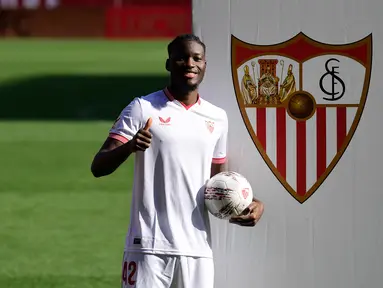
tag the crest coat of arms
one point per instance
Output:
(301, 101)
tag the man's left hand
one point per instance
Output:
(250, 216)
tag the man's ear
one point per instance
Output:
(167, 65)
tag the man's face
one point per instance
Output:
(187, 64)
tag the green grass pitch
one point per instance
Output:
(59, 226)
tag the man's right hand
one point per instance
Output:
(141, 141)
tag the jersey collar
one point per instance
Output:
(171, 98)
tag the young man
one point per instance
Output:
(179, 141)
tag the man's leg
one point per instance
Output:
(192, 272)
(141, 270)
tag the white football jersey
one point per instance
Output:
(168, 215)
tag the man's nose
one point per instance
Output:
(189, 62)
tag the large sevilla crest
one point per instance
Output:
(301, 101)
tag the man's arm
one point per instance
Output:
(114, 152)
(219, 161)
(111, 155)
(217, 168)
(254, 211)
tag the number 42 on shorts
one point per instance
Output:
(128, 272)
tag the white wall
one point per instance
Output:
(335, 238)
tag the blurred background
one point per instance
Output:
(67, 69)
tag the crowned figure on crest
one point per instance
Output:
(265, 89)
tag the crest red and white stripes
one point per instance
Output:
(301, 151)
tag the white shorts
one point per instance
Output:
(142, 270)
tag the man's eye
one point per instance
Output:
(183, 59)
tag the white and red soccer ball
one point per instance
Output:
(227, 194)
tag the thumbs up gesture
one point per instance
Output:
(141, 141)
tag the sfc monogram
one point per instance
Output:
(301, 101)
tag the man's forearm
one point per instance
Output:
(106, 162)
(218, 168)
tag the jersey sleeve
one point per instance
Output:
(219, 156)
(128, 123)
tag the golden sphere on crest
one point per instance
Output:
(301, 105)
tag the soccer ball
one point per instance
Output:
(227, 194)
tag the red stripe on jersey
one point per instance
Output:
(219, 160)
(171, 98)
(118, 137)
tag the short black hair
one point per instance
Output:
(183, 38)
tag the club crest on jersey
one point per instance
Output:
(301, 101)
(165, 121)
(210, 126)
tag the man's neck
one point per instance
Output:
(187, 97)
